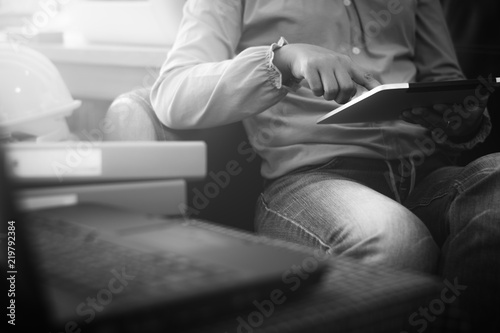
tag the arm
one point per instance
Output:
(203, 83)
(436, 61)
(435, 56)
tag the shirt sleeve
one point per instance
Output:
(436, 59)
(435, 56)
(204, 83)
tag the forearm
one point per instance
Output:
(200, 94)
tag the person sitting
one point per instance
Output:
(386, 193)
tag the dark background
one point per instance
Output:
(475, 32)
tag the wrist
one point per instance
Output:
(469, 135)
(281, 64)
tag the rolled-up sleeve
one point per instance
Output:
(204, 83)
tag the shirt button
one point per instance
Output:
(347, 2)
(356, 50)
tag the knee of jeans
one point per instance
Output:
(474, 212)
(485, 168)
(489, 161)
(392, 236)
(399, 240)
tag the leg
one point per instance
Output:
(461, 208)
(321, 209)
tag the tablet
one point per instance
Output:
(387, 101)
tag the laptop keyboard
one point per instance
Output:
(74, 257)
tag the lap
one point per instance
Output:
(346, 214)
(324, 209)
(460, 207)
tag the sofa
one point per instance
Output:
(133, 119)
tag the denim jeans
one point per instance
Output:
(436, 218)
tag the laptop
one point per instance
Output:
(92, 268)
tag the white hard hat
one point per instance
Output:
(34, 99)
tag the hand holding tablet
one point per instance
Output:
(387, 102)
(457, 120)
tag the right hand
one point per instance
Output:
(329, 74)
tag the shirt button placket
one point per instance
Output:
(355, 50)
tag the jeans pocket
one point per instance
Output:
(308, 168)
(311, 168)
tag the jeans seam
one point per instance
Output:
(426, 202)
(332, 162)
(296, 224)
(460, 185)
(456, 185)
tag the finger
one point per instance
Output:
(419, 111)
(429, 119)
(360, 90)
(411, 118)
(415, 116)
(441, 108)
(330, 85)
(433, 119)
(347, 87)
(315, 83)
(362, 78)
(408, 116)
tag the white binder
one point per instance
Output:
(91, 162)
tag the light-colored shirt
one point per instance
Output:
(220, 71)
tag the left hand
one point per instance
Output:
(455, 120)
